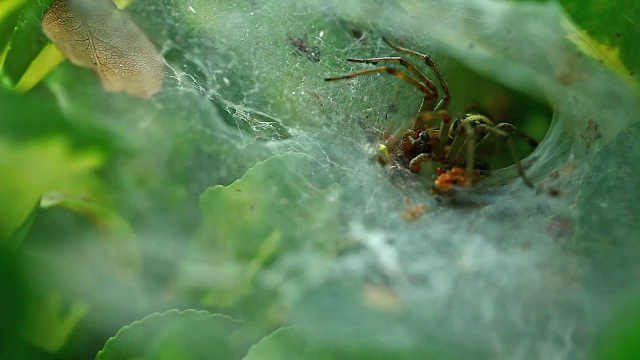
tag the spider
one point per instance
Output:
(464, 143)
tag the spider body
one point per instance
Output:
(424, 145)
(466, 143)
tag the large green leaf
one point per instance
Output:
(187, 335)
(610, 31)
(276, 209)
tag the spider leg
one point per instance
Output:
(425, 86)
(431, 96)
(471, 151)
(446, 98)
(506, 132)
(510, 129)
(462, 147)
(514, 131)
(395, 72)
(416, 162)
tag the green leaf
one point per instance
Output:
(36, 168)
(278, 194)
(605, 220)
(611, 30)
(185, 335)
(12, 309)
(258, 218)
(50, 324)
(363, 327)
(619, 339)
(38, 117)
(9, 12)
(20, 234)
(281, 344)
(26, 42)
(42, 153)
(119, 237)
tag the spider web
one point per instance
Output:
(245, 83)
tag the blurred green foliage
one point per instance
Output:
(234, 190)
(12, 303)
(271, 206)
(43, 153)
(175, 335)
(26, 40)
(620, 341)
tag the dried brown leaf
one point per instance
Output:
(97, 35)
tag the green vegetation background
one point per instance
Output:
(244, 190)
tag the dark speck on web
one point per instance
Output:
(303, 49)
